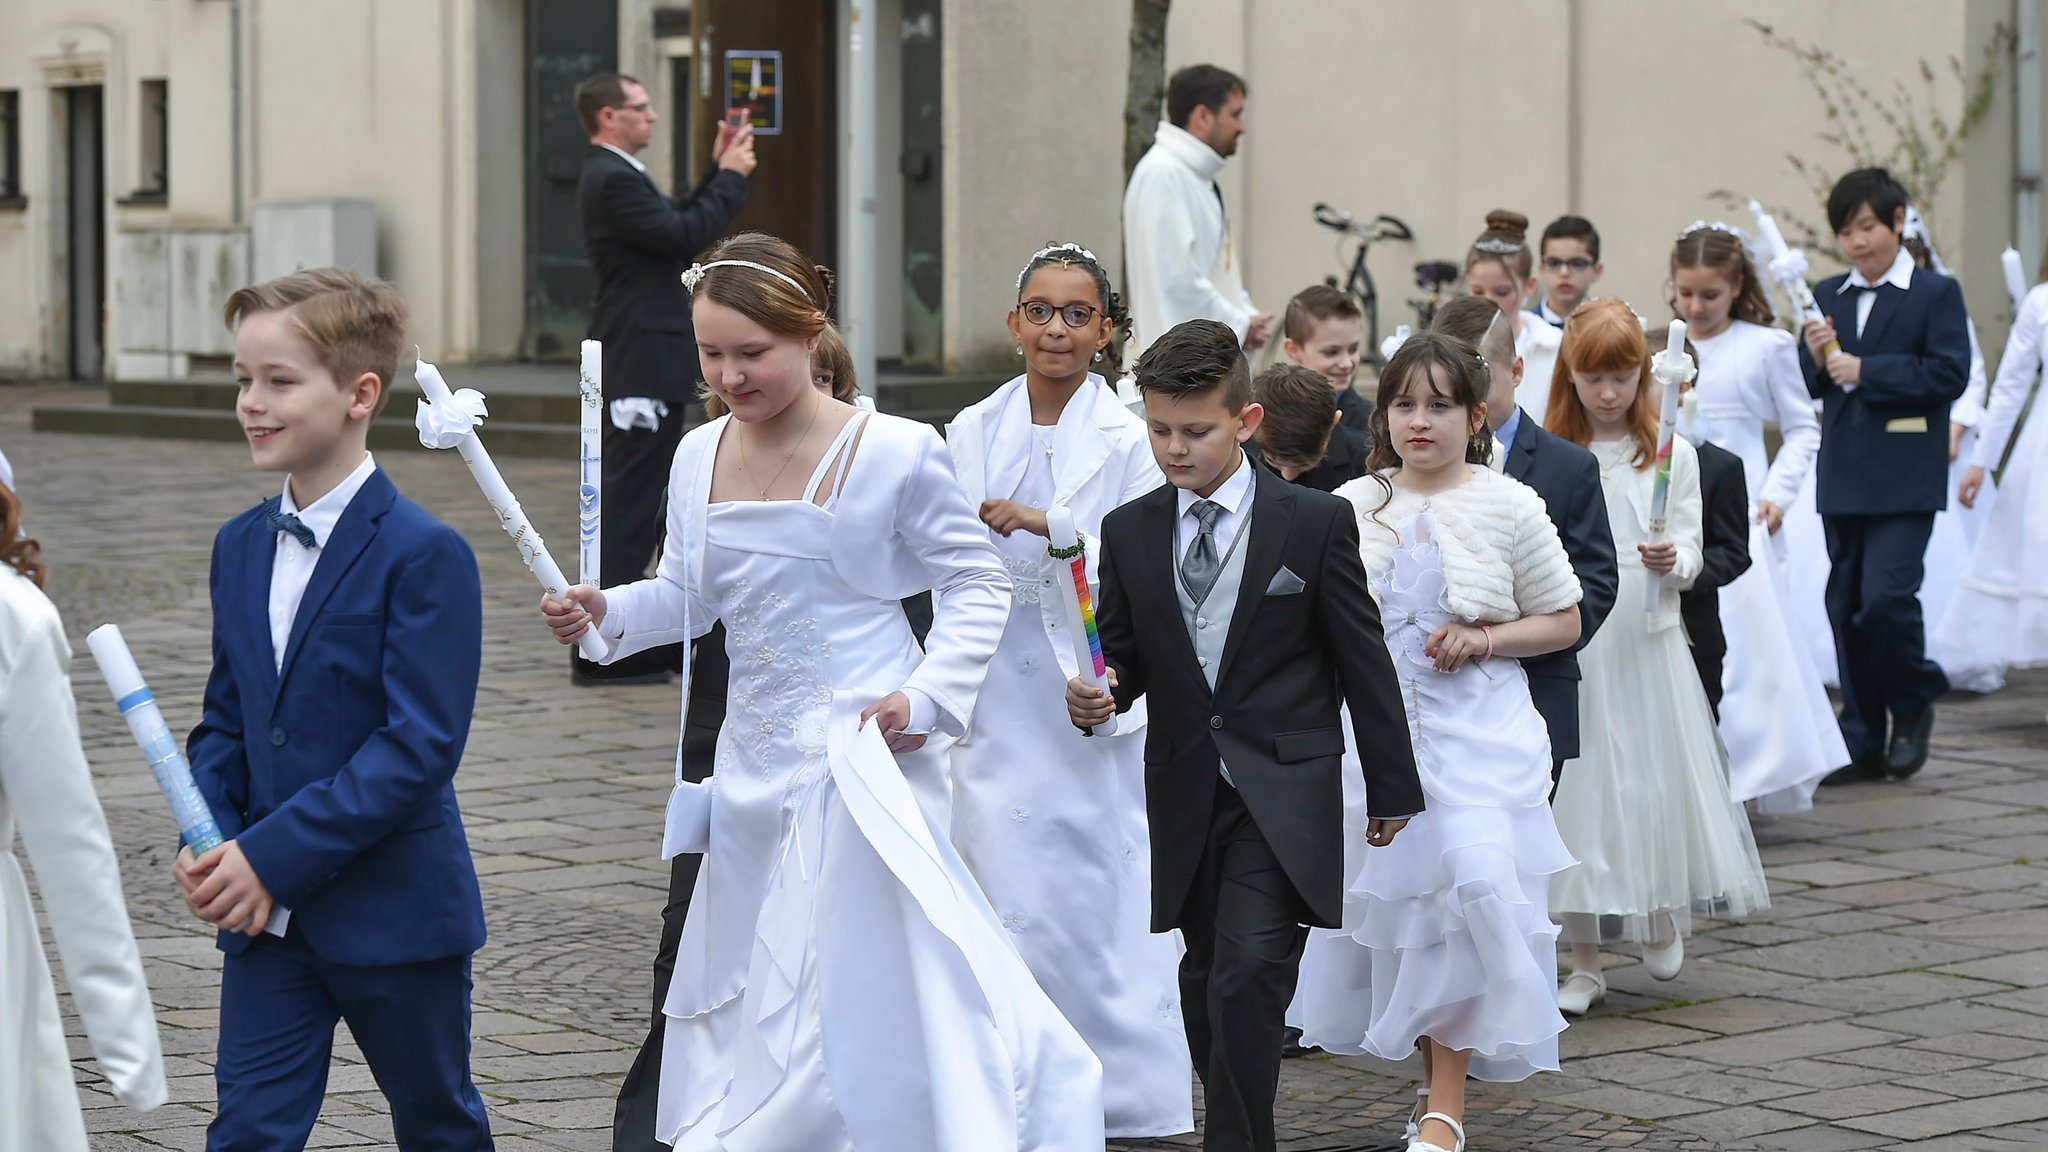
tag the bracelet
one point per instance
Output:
(1488, 629)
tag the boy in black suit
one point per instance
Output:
(1890, 355)
(1236, 603)
(1300, 435)
(1568, 479)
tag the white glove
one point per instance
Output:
(638, 412)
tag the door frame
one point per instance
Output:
(71, 56)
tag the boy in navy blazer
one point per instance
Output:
(347, 641)
(1891, 355)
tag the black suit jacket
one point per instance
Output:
(1289, 661)
(1724, 496)
(1568, 479)
(1357, 412)
(640, 241)
(1884, 446)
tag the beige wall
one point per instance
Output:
(1437, 112)
(416, 106)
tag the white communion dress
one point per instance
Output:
(1776, 720)
(1645, 808)
(842, 983)
(1446, 931)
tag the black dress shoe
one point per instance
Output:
(1908, 749)
(1856, 772)
(1290, 1046)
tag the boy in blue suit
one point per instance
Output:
(1903, 358)
(347, 642)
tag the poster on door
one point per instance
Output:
(753, 90)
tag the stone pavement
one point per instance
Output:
(1895, 995)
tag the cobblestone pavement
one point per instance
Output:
(1895, 995)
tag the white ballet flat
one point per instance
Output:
(1581, 993)
(1418, 1144)
(1414, 1130)
(1664, 963)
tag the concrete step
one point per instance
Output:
(506, 438)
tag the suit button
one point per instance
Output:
(1215, 721)
(277, 737)
(1200, 622)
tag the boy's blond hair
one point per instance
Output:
(355, 324)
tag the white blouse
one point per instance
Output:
(1502, 557)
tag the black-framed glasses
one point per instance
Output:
(641, 107)
(1040, 313)
(1574, 265)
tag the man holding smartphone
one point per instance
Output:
(640, 241)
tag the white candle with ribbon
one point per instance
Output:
(1063, 544)
(1672, 369)
(1788, 267)
(590, 488)
(449, 420)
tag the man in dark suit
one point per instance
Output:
(1237, 605)
(1568, 479)
(640, 241)
(1890, 355)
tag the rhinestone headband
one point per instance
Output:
(1054, 250)
(1499, 245)
(1715, 226)
(694, 275)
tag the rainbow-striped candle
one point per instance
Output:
(1064, 543)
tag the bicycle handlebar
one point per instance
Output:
(1383, 227)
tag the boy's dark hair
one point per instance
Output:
(1872, 186)
(597, 93)
(1301, 411)
(1199, 86)
(1573, 228)
(1313, 305)
(1196, 356)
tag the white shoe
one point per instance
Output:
(1414, 1129)
(1581, 993)
(1418, 1144)
(1664, 963)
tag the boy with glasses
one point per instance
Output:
(1570, 266)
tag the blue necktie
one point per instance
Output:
(281, 521)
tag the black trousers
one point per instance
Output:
(1243, 923)
(636, 467)
(1710, 656)
(633, 1117)
(1873, 598)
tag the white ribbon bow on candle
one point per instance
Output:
(1789, 267)
(444, 425)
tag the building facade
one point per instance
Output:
(154, 154)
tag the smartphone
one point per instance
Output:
(737, 117)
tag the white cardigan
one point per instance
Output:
(1502, 557)
(44, 780)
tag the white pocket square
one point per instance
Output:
(1285, 583)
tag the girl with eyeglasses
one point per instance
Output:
(1052, 823)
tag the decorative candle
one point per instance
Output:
(1788, 267)
(153, 736)
(589, 492)
(1064, 543)
(1672, 368)
(449, 420)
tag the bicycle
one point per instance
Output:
(1359, 283)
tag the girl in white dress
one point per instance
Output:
(1645, 809)
(1776, 720)
(1500, 267)
(1447, 937)
(830, 891)
(1052, 823)
(2000, 609)
(46, 789)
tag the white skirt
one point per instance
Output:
(1645, 808)
(1999, 613)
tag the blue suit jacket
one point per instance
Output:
(1568, 479)
(1884, 446)
(337, 775)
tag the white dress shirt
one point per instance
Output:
(1233, 496)
(628, 157)
(1899, 275)
(291, 569)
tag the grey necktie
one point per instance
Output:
(1200, 566)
